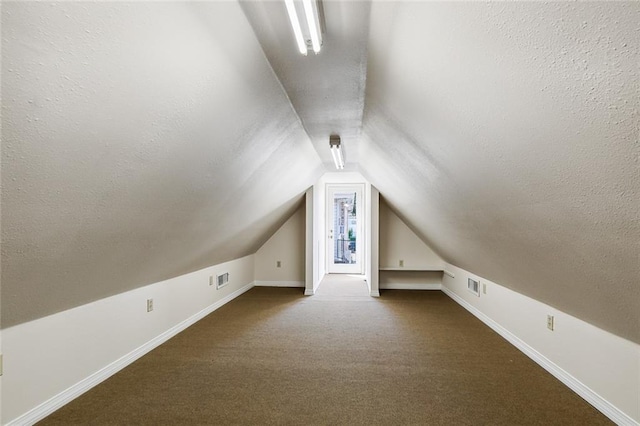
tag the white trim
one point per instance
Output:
(410, 286)
(309, 292)
(392, 268)
(374, 293)
(43, 410)
(361, 216)
(451, 274)
(279, 284)
(604, 406)
(308, 239)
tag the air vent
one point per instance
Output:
(222, 280)
(474, 286)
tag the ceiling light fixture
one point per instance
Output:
(312, 22)
(295, 23)
(336, 151)
(308, 32)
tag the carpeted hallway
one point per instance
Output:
(274, 356)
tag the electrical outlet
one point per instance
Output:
(278, 264)
(484, 288)
(550, 322)
(401, 263)
(149, 305)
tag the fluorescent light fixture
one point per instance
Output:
(295, 23)
(336, 151)
(313, 24)
(308, 32)
(337, 158)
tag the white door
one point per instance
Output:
(345, 236)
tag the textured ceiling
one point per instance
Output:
(507, 135)
(144, 140)
(140, 141)
(327, 90)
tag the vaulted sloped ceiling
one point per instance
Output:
(144, 140)
(507, 134)
(326, 90)
(140, 141)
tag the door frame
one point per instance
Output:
(358, 267)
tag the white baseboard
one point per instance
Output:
(604, 406)
(410, 286)
(279, 284)
(311, 291)
(43, 410)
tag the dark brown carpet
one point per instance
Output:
(274, 356)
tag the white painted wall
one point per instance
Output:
(1, 349)
(308, 244)
(64, 351)
(286, 245)
(1, 378)
(319, 232)
(602, 367)
(372, 226)
(399, 242)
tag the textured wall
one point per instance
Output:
(506, 134)
(141, 141)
